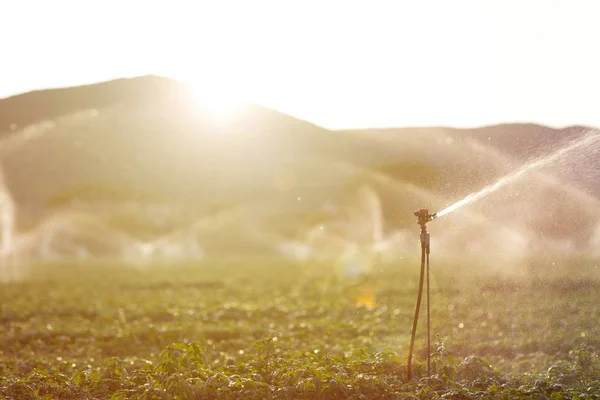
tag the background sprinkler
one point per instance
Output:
(423, 217)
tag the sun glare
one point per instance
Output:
(217, 100)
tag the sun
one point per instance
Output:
(219, 100)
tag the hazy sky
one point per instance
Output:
(338, 63)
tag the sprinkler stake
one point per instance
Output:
(423, 217)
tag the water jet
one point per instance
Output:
(424, 217)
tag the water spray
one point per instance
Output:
(589, 139)
(423, 217)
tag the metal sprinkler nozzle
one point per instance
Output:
(424, 217)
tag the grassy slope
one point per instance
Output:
(108, 330)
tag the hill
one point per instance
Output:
(132, 147)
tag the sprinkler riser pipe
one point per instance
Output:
(425, 240)
(423, 217)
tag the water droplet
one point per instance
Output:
(461, 325)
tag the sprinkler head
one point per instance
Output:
(424, 217)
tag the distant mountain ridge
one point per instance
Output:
(32, 107)
(142, 140)
(165, 99)
(29, 108)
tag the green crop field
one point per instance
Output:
(268, 329)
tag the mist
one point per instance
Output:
(339, 199)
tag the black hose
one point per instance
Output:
(428, 320)
(418, 308)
